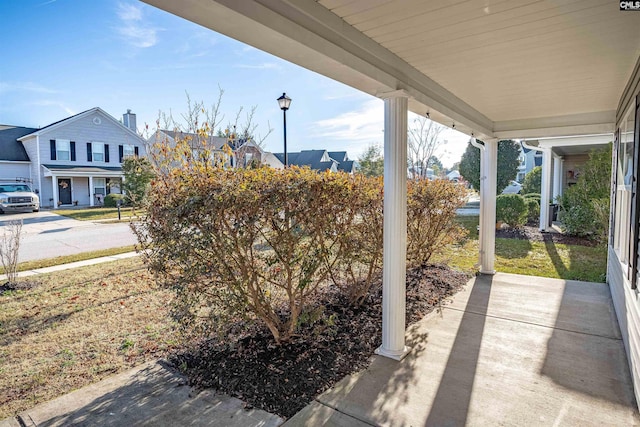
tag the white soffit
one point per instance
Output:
(514, 67)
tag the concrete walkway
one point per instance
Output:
(510, 350)
(149, 395)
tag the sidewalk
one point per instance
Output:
(71, 265)
(149, 395)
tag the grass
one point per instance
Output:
(48, 262)
(546, 259)
(77, 327)
(92, 214)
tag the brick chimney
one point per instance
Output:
(129, 120)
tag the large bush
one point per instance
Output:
(431, 207)
(511, 209)
(259, 243)
(508, 161)
(586, 204)
(533, 181)
(111, 200)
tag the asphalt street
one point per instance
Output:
(48, 235)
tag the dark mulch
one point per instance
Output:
(22, 285)
(533, 234)
(283, 379)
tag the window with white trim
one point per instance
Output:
(97, 151)
(100, 186)
(624, 180)
(63, 149)
(128, 150)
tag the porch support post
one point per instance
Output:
(488, 182)
(54, 185)
(91, 195)
(557, 177)
(545, 193)
(395, 225)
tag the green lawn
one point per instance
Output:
(546, 259)
(92, 214)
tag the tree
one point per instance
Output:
(435, 164)
(371, 162)
(533, 181)
(469, 166)
(508, 154)
(138, 173)
(422, 142)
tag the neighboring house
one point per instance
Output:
(77, 159)
(321, 160)
(529, 159)
(454, 176)
(244, 151)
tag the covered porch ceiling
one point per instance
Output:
(495, 68)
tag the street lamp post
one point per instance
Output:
(284, 101)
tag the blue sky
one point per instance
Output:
(61, 57)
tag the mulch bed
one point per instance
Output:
(283, 379)
(532, 233)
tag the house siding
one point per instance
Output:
(625, 299)
(31, 148)
(82, 131)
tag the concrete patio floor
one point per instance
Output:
(509, 350)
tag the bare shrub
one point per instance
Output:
(431, 210)
(10, 248)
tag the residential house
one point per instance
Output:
(320, 160)
(244, 151)
(76, 160)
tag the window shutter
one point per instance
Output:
(72, 147)
(89, 152)
(52, 143)
(120, 152)
(106, 153)
(135, 151)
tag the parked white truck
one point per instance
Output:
(17, 196)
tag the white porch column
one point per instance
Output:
(54, 185)
(545, 191)
(395, 225)
(91, 190)
(557, 177)
(488, 182)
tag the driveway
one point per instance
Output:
(48, 235)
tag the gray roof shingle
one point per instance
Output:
(10, 148)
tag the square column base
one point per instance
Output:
(489, 272)
(395, 355)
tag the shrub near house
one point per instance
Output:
(259, 244)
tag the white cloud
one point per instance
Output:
(133, 27)
(364, 124)
(48, 103)
(24, 87)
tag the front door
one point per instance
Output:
(64, 191)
